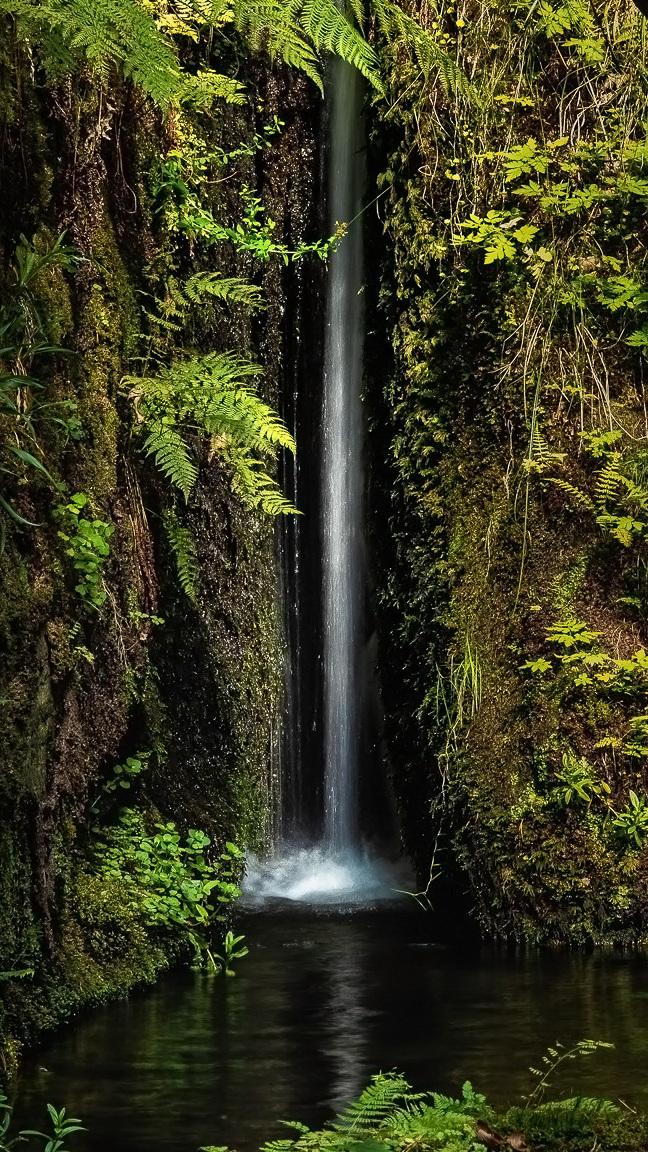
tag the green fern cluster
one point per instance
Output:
(139, 40)
(388, 1114)
(207, 395)
(104, 34)
(297, 30)
(613, 486)
(200, 289)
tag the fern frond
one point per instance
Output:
(171, 456)
(230, 288)
(577, 493)
(183, 546)
(325, 24)
(401, 29)
(257, 489)
(270, 25)
(609, 479)
(374, 1105)
(208, 394)
(201, 90)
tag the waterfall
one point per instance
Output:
(342, 511)
(336, 869)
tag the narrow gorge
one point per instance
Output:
(323, 523)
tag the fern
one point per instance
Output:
(374, 1105)
(612, 486)
(328, 28)
(175, 309)
(230, 288)
(183, 546)
(402, 30)
(102, 33)
(171, 456)
(540, 454)
(609, 479)
(208, 395)
(577, 493)
(125, 34)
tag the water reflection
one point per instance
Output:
(319, 1005)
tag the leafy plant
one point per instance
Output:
(122, 34)
(631, 824)
(62, 1126)
(233, 949)
(613, 486)
(169, 879)
(88, 547)
(579, 781)
(124, 774)
(178, 188)
(553, 1061)
(16, 974)
(208, 395)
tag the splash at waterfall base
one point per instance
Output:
(351, 879)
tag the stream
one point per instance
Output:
(320, 1003)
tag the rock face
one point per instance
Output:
(193, 681)
(509, 460)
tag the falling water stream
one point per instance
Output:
(336, 866)
(342, 504)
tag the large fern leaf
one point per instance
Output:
(609, 479)
(230, 288)
(327, 27)
(577, 493)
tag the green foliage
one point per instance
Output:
(62, 1126)
(628, 522)
(553, 1061)
(126, 35)
(405, 34)
(631, 824)
(16, 974)
(88, 547)
(579, 781)
(179, 191)
(497, 234)
(123, 775)
(388, 1114)
(233, 950)
(25, 354)
(170, 880)
(207, 394)
(505, 376)
(183, 546)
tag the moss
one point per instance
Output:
(83, 689)
(472, 419)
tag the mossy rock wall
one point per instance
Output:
(196, 684)
(509, 457)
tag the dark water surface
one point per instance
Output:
(318, 1005)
